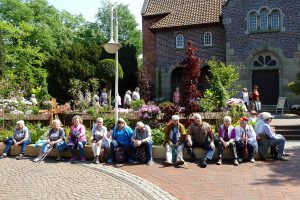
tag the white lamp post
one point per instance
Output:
(112, 47)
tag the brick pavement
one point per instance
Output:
(51, 180)
(261, 180)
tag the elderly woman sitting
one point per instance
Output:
(77, 138)
(56, 139)
(21, 137)
(99, 139)
(121, 137)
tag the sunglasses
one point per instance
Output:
(120, 122)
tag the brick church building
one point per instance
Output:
(261, 35)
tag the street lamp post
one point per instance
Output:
(113, 47)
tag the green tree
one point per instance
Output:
(128, 31)
(294, 86)
(106, 70)
(228, 75)
(222, 80)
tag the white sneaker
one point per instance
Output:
(252, 160)
(240, 160)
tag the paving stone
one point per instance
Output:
(51, 180)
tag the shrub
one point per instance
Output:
(5, 134)
(165, 104)
(137, 104)
(36, 131)
(92, 111)
(158, 136)
(35, 110)
(82, 106)
(148, 112)
(169, 111)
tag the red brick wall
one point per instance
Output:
(149, 45)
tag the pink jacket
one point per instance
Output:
(81, 130)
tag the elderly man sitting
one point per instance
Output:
(200, 135)
(175, 136)
(274, 139)
(245, 139)
(141, 137)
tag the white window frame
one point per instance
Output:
(275, 19)
(252, 22)
(264, 20)
(179, 41)
(207, 39)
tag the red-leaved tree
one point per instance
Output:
(144, 83)
(189, 93)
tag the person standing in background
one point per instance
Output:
(176, 96)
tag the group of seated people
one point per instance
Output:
(127, 144)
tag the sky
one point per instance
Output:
(89, 8)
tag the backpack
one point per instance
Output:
(120, 155)
(141, 154)
(75, 135)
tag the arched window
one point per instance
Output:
(207, 39)
(253, 22)
(265, 61)
(264, 19)
(179, 41)
(275, 20)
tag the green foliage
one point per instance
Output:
(158, 136)
(208, 102)
(108, 121)
(94, 84)
(93, 111)
(294, 86)
(82, 106)
(5, 134)
(165, 104)
(137, 104)
(40, 93)
(106, 69)
(75, 87)
(222, 81)
(220, 95)
(228, 75)
(35, 110)
(36, 131)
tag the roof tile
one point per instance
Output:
(184, 12)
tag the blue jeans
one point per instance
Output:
(279, 141)
(59, 147)
(10, 142)
(79, 145)
(148, 147)
(206, 146)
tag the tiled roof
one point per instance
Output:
(184, 12)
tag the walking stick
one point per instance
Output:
(245, 150)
